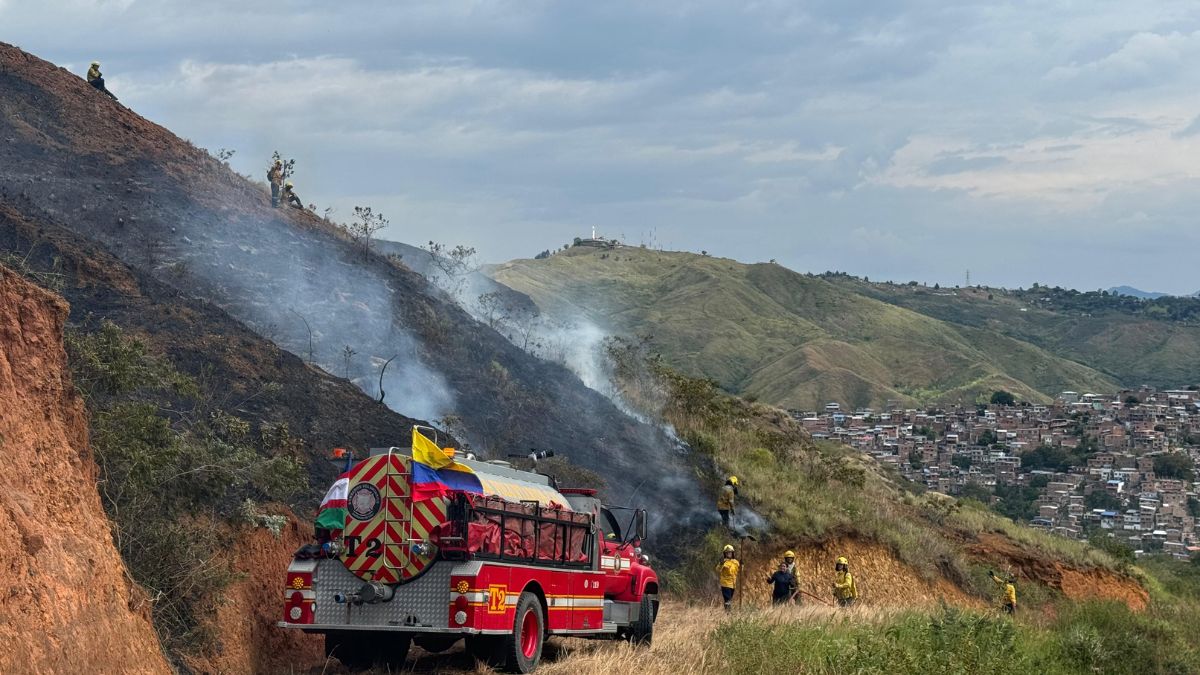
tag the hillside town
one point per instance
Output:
(1087, 465)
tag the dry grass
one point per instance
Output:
(682, 644)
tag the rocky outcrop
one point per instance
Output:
(66, 602)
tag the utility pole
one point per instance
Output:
(968, 278)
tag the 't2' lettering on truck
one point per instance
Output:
(502, 570)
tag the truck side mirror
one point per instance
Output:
(641, 524)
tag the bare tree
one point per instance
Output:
(453, 266)
(366, 223)
(382, 393)
(289, 165)
(309, 329)
(347, 354)
(494, 308)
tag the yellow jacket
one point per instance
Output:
(1010, 590)
(728, 571)
(843, 586)
(93, 73)
(725, 498)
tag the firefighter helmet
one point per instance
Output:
(842, 560)
(789, 554)
(733, 480)
(728, 548)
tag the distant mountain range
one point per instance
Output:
(1145, 295)
(799, 340)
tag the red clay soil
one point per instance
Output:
(1075, 583)
(882, 580)
(244, 625)
(66, 604)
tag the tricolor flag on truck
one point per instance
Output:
(332, 514)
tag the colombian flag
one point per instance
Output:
(434, 473)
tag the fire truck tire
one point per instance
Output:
(522, 649)
(641, 632)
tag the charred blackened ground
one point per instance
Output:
(207, 237)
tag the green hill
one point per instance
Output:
(791, 339)
(1134, 342)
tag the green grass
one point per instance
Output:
(1084, 638)
(790, 339)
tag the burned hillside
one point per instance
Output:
(204, 257)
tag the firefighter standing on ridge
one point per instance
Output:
(290, 197)
(275, 178)
(95, 79)
(844, 588)
(785, 585)
(1010, 591)
(789, 562)
(727, 572)
(726, 499)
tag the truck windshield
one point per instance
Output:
(609, 525)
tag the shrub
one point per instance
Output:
(171, 475)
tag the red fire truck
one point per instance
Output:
(503, 570)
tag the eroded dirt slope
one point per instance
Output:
(66, 605)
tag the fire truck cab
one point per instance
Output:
(502, 570)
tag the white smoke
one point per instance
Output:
(337, 315)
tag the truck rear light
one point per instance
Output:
(297, 581)
(300, 607)
(298, 596)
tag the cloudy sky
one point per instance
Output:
(1053, 141)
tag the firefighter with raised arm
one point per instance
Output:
(784, 583)
(727, 498)
(1010, 591)
(844, 589)
(727, 575)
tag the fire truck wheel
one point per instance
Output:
(642, 630)
(523, 647)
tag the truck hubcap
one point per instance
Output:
(529, 634)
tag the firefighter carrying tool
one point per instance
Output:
(433, 550)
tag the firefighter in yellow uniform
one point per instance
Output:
(1010, 591)
(844, 588)
(727, 574)
(789, 560)
(726, 499)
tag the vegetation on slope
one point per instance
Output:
(811, 493)
(794, 340)
(173, 468)
(1155, 342)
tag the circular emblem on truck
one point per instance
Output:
(363, 502)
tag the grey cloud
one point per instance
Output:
(1191, 129)
(958, 164)
(513, 125)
